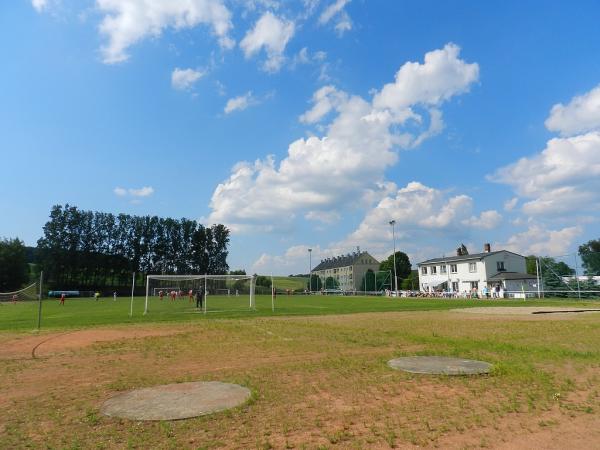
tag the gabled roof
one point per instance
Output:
(511, 276)
(342, 261)
(456, 258)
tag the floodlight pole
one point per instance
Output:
(310, 270)
(577, 278)
(393, 223)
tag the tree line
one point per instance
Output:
(87, 249)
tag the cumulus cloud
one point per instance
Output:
(295, 259)
(240, 103)
(486, 220)
(183, 79)
(344, 169)
(336, 10)
(145, 191)
(127, 22)
(580, 115)
(564, 177)
(509, 205)
(538, 240)
(271, 34)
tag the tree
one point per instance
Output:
(590, 257)
(403, 266)
(237, 272)
(411, 282)
(263, 281)
(368, 281)
(331, 283)
(13, 261)
(314, 284)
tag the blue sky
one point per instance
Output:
(308, 124)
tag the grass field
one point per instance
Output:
(317, 370)
(84, 312)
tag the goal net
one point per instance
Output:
(200, 293)
(28, 293)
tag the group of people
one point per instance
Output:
(174, 295)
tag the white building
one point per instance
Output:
(464, 273)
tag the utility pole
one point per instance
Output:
(310, 270)
(393, 224)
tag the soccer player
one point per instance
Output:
(14, 298)
(161, 294)
(115, 296)
(199, 297)
(97, 296)
(62, 298)
(173, 296)
(191, 295)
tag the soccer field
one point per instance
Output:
(85, 312)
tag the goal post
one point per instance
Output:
(220, 292)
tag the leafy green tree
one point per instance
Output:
(263, 281)
(590, 257)
(368, 281)
(315, 283)
(403, 266)
(237, 272)
(14, 271)
(331, 283)
(411, 282)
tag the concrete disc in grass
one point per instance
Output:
(440, 365)
(176, 401)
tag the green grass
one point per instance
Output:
(77, 313)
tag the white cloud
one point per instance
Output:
(486, 220)
(240, 103)
(581, 115)
(509, 205)
(564, 177)
(39, 5)
(183, 79)
(344, 169)
(145, 191)
(126, 22)
(538, 240)
(295, 259)
(271, 34)
(336, 10)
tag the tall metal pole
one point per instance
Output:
(40, 301)
(537, 273)
(310, 270)
(393, 223)
(577, 278)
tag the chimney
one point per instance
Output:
(487, 248)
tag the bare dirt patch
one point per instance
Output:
(45, 344)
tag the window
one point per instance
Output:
(453, 268)
(433, 270)
(472, 267)
(500, 266)
(474, 284)
(423, 270)
(455, 286)
(443, 269)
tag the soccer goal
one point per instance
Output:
(218, 292)
(28, 293)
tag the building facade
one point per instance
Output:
(464, 273)
(348, 271)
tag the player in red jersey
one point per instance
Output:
(191, 295)
(161, 294)
(62, 298)
(173, 296)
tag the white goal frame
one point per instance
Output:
(206, 277)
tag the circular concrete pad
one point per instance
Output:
(176, 401)
(440, 365)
